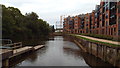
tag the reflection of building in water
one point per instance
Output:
(74, 52)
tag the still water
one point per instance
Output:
(60, 52)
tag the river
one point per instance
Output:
(60, 51)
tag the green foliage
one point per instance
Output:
(15, 24)
(52, 29)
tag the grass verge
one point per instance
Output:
(115, 45)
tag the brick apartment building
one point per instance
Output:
(104, 20)
(68, 24)
(76, 24)
(87, 23)
(97, 13)
(82, 23)
(118, 18)
(93, 22)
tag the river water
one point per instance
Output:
(59, 51)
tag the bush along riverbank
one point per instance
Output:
(103, 51)
(19, 26)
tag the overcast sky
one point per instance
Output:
(51, 10)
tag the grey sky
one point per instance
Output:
(51, 10)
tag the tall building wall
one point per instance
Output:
(104, 20)
(118, 17)
(76, 24)
(93, 22)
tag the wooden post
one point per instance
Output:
(6, 63)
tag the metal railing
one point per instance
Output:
(9, 41)
(8, 44)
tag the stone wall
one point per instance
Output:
(102, 51)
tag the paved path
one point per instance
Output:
(21, 49)
(4, 51)
(102, 40)
(38, 47)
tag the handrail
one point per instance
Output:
(13, 44)
(7, 40)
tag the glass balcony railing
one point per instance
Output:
(113, 16)
(113, 7)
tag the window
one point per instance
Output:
(107, 15)
(76, 22)
(100, 18)
(76, 19)
(102, 31)
(111, 31)
(103, 24)
(119, 9)
(114, 29)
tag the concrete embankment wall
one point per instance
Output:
(10, 57)
(105, 52)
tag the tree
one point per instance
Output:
(15, 24)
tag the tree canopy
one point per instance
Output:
(15, 24)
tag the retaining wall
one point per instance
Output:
(105, 52)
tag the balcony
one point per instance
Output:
(103, 11)
(76, 22)
(106, 4)
(113, 7)
(112, 4)
(119, 9)
(106, 16)
(70, 23)
(119, 27)
(82, 22)
(86, 24)
(113, 16)
(112, 23)
(100, 20)
(76, 19)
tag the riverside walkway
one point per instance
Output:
(8, 53)
(101, 40)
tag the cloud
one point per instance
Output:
(50, 10)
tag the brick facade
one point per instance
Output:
(76, 24)
(104, 20)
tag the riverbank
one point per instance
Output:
(97, 40)
(12, 54)
(108, 52)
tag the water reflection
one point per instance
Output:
(25, 57)
(74, 52)
(31, 42)
(94, 61)
(30, 57)
(60, 51)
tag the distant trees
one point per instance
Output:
(15, 24)
(52, 29)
